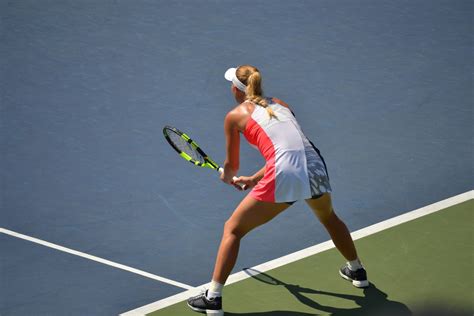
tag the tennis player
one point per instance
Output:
(294, 170)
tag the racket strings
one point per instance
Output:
(184, 146)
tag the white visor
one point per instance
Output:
(231, 76)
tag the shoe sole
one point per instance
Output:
(358, 284)
(211, 312)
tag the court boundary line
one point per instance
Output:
(304, 253)
(96, 259)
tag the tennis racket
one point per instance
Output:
(190, 150)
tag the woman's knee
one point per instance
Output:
(328, 217)
(235, 229)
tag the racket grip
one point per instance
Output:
(221, 170)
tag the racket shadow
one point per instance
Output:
(373, 302)
(270, 313)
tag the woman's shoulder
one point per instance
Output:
(245, 108)
(281, 102)
(240, 114)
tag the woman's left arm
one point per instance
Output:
(232, 136)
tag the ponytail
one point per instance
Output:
(253, 91)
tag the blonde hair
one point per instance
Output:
(251, 78)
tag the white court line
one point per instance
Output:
(406, 217)
(94, 258)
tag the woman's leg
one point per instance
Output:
(250, 214)
(336, 228)
(353, 271)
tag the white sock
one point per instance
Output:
(354, 265)
(215, 290)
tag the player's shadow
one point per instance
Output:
(374, 302)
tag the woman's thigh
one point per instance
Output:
(322, 206)
(251, 213)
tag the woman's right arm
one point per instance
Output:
(250, 182)
(258, 175)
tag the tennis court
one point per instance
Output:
(99, 216)
(416, 268)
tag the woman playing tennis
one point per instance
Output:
(294, 170)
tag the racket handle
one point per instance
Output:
(221, 170)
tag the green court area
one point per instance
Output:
(421, 267)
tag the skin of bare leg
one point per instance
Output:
(322, 208)
(250, 214)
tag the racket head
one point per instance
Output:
(187, 148)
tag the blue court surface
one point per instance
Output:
(111, 219)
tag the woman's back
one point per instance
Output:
(294, 168)
(282, 132)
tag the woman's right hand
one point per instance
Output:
(247, 182)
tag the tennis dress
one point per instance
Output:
(295, 169)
